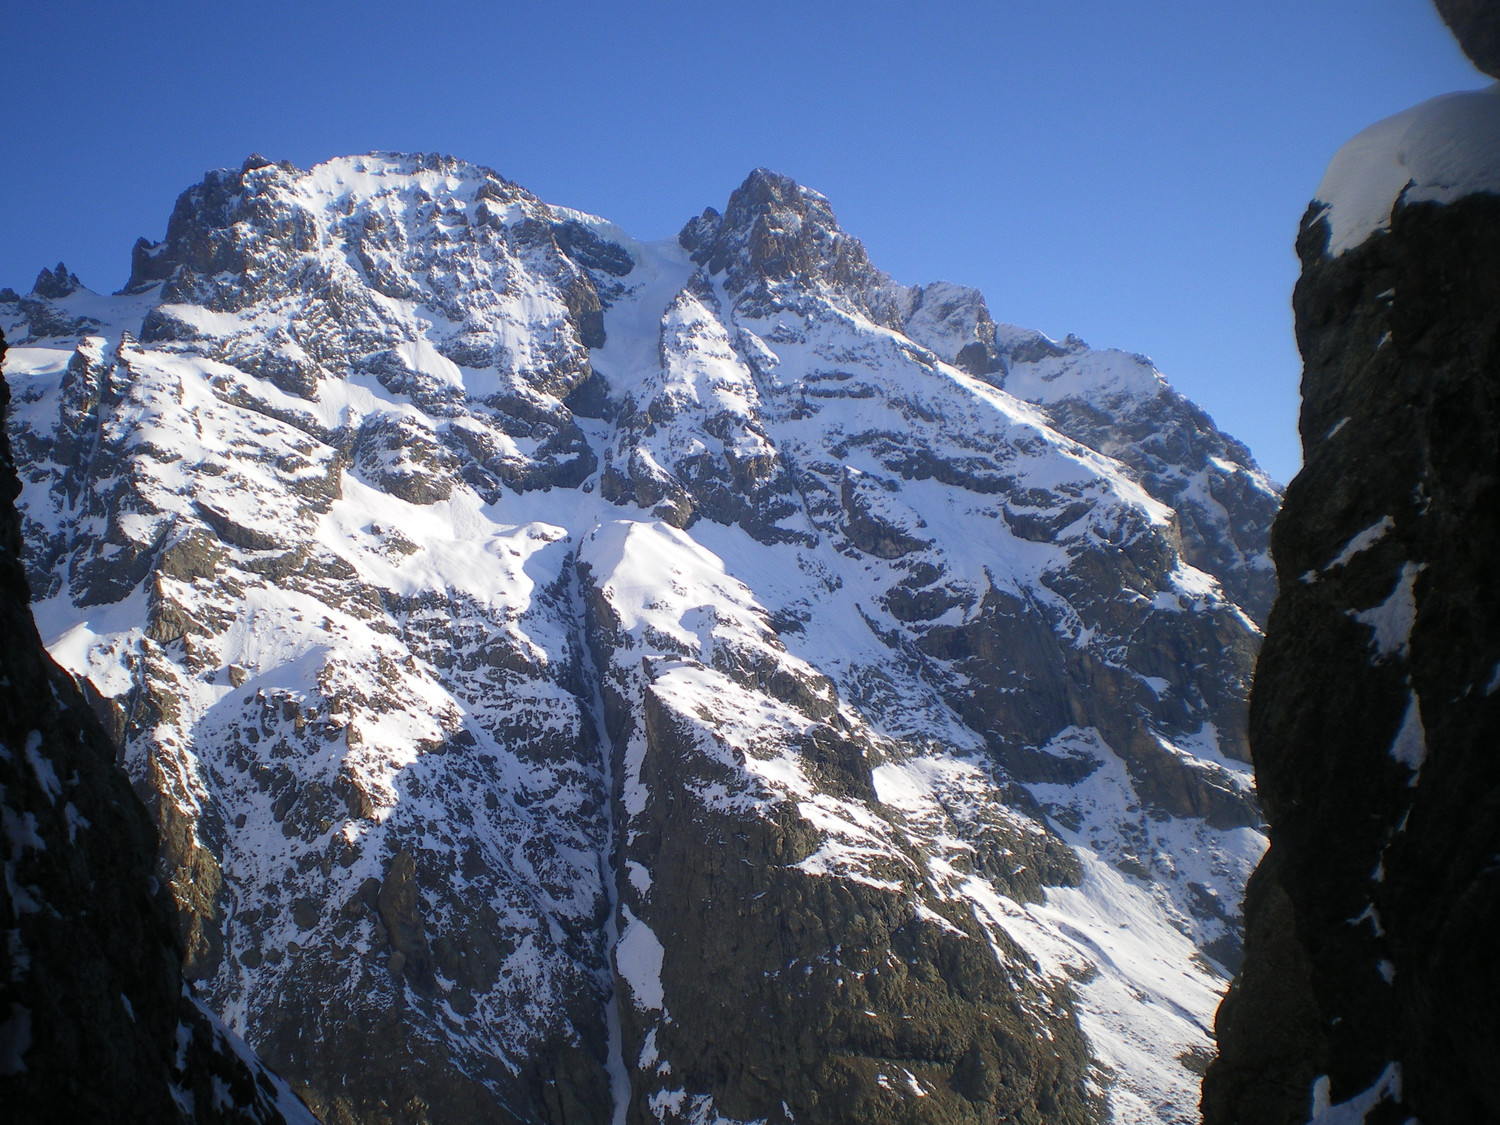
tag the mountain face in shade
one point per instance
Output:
(1370, 985)
(579, 679)
(95, 1023)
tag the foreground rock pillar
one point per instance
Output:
(1371, 983)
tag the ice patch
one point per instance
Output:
(1362, 542)
(1370, 914)
(1391, 621)
(639, 877)
(75, 820)
(42, 767)
(20, 830)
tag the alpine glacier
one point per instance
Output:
(579, 679)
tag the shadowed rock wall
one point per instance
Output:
(1370, 971)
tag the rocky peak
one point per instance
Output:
(55, 283)
(238, 221)
(350, 260)
(203, 209)
(56, 305)
(776, 234)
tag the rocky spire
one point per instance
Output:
(776, 234)
(55, 283)
(1369, 988)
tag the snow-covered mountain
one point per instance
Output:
(579, 679)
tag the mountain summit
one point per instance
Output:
(773, 231)
(583, 679)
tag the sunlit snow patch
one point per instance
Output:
(1440, 151)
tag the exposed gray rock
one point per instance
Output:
(1476, 26)
(55, 283)
(47, 310)
(777, 237)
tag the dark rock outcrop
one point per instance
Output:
(781, 995)
(95, 1021)
(1370, 971)
(1476, 25)
(55, 283)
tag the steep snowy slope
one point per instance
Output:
(581, 679)
(95, 1022)
(1119, 405)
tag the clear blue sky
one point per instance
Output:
(1131, 172)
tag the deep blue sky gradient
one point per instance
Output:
(1130, 172)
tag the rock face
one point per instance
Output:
(1370, 981)
(1476, 26)
(1119, 405)
(579, 679)
(95, 1023)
